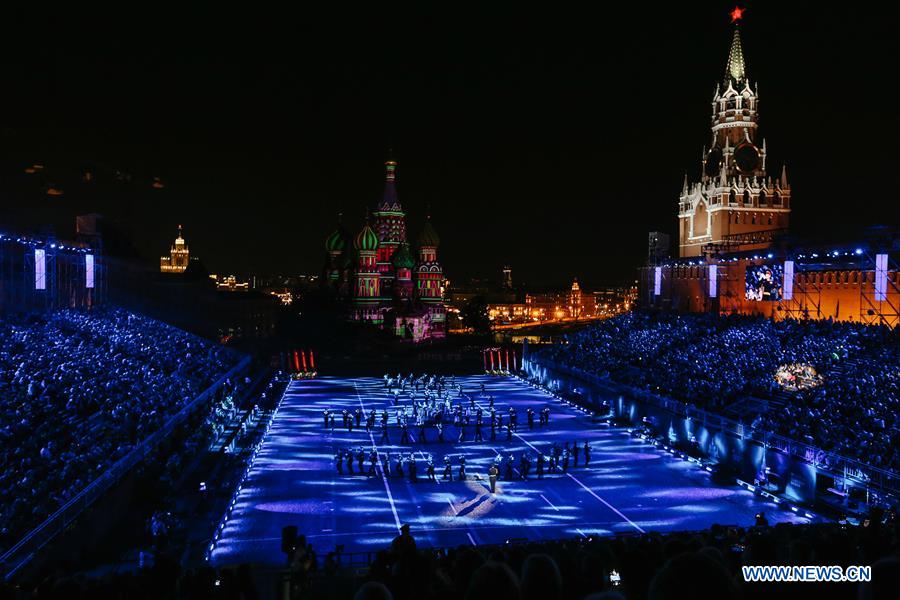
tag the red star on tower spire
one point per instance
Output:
(737, 14)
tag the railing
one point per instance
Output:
(26, 548)
(836, 464)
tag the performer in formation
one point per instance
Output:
(436, 402)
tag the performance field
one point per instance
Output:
(629, 486)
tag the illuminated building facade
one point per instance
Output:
(736, 202)
(507, 278)
(575, 306)
(385, 280)
(229, 283)
(179, 256)
(733, 260)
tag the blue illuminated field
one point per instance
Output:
(630, 486)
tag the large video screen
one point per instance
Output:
(764, 282)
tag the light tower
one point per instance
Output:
(735, 203)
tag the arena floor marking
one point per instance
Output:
(294, 481)
(610, 506)
(578, 481)
(378, 467)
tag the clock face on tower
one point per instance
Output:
(713, 162)
(746, 156)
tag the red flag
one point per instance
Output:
(303, 356)
(492, 360)
(312, 360)
(296, 362)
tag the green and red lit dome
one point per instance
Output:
(366, 239)
(337, 241)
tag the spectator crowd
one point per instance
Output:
(671, 566)
(711, 362)
(78, 391)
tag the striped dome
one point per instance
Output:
(337, 241)
(429, 237)
(366, 239)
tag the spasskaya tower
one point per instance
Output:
(736, 204)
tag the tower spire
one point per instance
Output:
(735, 68)
(390, 166)
(389, 201)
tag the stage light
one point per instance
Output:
(40, 273)
(881, 269)
(858, 251)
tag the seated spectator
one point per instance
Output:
(78, 391)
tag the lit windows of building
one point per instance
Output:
(179, 256)
(229, 283)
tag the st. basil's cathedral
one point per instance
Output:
(384, 280)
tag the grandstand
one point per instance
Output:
(86, 396)
(714, 363)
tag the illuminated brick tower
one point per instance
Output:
(736, 204)
(430, 279)
(179, 257)
(367, 289)
(390, 225)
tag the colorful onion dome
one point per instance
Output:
(403, 258)
(366, 239)
(429, 237)
(337, 241)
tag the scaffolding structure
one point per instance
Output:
(879, 308)
(42, 274)
(806, 300)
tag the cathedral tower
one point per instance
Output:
(367, 289)
(736, 204)
(430, 279)
(337, 246)
(390, 225)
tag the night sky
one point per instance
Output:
(552, 139)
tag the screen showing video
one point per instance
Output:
(764, 283)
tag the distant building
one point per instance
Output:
(508, 313)
(547, 306)
(179, 257)
(613, 300)
(575, 305)
(229, 283)
(507, 278)
(387, 282)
